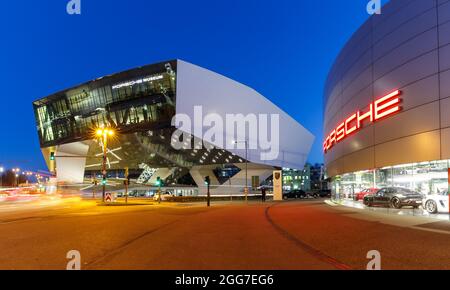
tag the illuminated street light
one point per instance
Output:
(16, 171)
(104, 133)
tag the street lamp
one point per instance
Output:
(246, 167)
(104, 133)
(16, 171)
(1, 175)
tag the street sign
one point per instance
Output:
(109, 198)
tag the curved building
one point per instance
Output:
(174, 120)
(387, 102)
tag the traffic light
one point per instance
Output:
(104, 181)
(158, 181)
(207, 180)
(52, 156)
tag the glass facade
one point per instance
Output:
(426, 178)
(131, 101)
(297, 179)
(139, 105)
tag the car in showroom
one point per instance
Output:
(437, 203)
(395, 197)
(296, 193)
(363, 193)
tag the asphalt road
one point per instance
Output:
(292, 235)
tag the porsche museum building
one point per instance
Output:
(387, 103)
(142, 105)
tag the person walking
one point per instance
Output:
(263, 194)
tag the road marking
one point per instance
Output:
(112, 252)
(330, 203)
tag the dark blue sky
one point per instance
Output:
(281, 48)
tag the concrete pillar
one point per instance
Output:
(70, 162)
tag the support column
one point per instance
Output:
(71, 162)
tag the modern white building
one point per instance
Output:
(174, 120)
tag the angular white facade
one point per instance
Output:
(220, 95)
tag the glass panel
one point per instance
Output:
(403, 176)
(143, 101)
(426, 178)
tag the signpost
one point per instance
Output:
(278, 185)
(109, 198)
(246, 194)
(208, 183)
(95, 182)
(126, 184)
(159, 184)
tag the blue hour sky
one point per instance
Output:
(282, 48)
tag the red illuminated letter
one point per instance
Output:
(332, 139)
(368, 115)
(325, 145)
(379, 109)
(387, 105)
(348, 130)
(340, 132)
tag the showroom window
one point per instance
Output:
(425, 178)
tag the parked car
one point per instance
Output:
(395, 197)
(437, 203)
(164, 196)
(296, 193)
(324, 193)
(133, 193)
(312, 194)
(360, 195)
